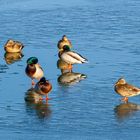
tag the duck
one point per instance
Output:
(71, 57)
(125, 89)
(33, 69)
(64, 41)
(13, 46)
(43, 87)
(70, 78)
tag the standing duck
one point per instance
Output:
(71, 57)
(43, 87)
(64, 41)
(13, 46)
(126, 90)
(33, 69)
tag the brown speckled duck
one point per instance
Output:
(126, 90)
(33, 69)
(43, 87)
(64, 41)
(13, 46)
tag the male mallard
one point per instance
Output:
(33, 69)
(71, 57)
(43, 87)
(13, 46)
(64, 41)
(126, 90)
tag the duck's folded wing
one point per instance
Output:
(77, 56)
(69, 58)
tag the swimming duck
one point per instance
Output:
(13, 46)
(71, 57)
(70, 78)
(64, 41)
(33, 69)
(126, 90)
(43, 87)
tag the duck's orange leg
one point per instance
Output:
(33, 83)
(125, 99)
(47, 98)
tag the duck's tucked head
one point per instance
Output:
(32, 60)
(121, 81)
(64, 38)
(42, 80)
(66, 48)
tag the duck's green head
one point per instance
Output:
(66, 48)
(32, 60)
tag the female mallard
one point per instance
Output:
(13, 46)
(33, 69)
(64, 41)
(126, 90)
(43, 87)
(71, 57)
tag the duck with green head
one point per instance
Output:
(43, 87)
(71, 57)
(33, 69)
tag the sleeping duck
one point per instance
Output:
(43, 87)
(71, 57)
(13, 46)
(64, 41)
(126, 90)
(33, 69)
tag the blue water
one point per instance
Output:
(107, 34)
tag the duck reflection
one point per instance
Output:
(68, 77)
(35, 102)
(12, 57)
(125, 110)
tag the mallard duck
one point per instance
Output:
(126, 90)
(43, 87)
(64, 41)
(33, 69)
(70, 78)
(71, 57)
(13, 46)
(12, 57)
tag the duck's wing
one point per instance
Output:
(77, 56)
(69, 58)
(129, 90)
